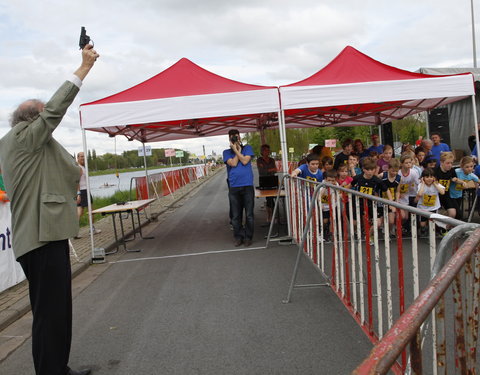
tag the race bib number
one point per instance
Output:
(445, 183)
(366, 190)
(459, 185)
(310, 178)
(429, 200)
(392, 193)
(404, 188)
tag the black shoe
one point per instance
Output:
(238, 242)
(79, 372)
(248, 243)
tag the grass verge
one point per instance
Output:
(98, 202)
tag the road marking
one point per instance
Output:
(189, 254)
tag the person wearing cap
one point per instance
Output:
(241, 193)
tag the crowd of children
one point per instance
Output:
(415, 178)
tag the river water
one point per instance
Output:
(106, 185)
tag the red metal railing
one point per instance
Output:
(459, 272)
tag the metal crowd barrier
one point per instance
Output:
(460, 276)
(375, 276)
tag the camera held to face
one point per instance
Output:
(234, 138)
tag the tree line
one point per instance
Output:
(130, 159)
(406, 130)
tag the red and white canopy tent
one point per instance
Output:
(354, 89)
(183, 101)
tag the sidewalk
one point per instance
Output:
(14, 302)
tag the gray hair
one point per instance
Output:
(27, 111)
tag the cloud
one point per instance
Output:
(268, 42)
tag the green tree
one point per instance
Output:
(408, 129)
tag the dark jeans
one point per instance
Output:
(242, 198)
(50, 285)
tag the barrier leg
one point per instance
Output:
(301, 251)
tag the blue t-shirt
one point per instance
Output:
(378, 149)
(437, 151)
(457, 193)
(474, 153)
(241, 175)
(477, 170)
(305, 173)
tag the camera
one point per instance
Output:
(234, 138)
(84, 38)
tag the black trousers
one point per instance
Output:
(50, 284)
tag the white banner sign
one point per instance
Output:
(169, 152)
(330, 143)
(148, 151)
(11, 272)
(199, 171)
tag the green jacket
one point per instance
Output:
(41, 177)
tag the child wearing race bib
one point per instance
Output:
(445, 175)
(331, 178)
(391, 179)
(369, 183)
(409, 179)
(309, 171)
(464, 174)
(428, 196)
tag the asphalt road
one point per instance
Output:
(191, 303)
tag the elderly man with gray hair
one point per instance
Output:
(41, 180)
(427, 145)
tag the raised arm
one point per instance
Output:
(89, 56)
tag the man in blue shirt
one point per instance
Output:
(376, 146)
(438, 147)
(241, 193)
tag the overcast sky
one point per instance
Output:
(267, 42)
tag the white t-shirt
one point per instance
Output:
(430, 199)
(83, 179)
(408, 185)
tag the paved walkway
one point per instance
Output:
(191, 303)
(14, 302)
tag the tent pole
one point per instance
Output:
(475, 125)
(283, 141)
(87, 179)
(283, 146)
(146, 170)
